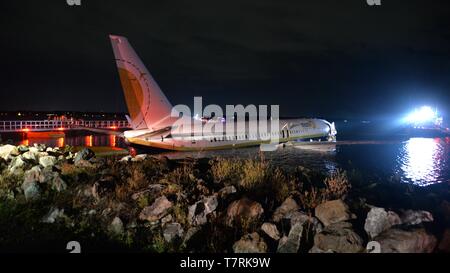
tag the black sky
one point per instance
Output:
(315, 57)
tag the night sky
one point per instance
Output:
(341, 59)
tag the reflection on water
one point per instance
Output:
(422, 160)
(84, 140)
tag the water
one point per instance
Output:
(418, 161)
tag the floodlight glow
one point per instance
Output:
(423, 114)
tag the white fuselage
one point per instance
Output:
(243, 136)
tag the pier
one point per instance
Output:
(60, 125)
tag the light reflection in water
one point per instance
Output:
(421, 161)
(60, 142)
(88, 141)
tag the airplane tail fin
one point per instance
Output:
(147, 105)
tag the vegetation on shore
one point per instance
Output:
(50, 196)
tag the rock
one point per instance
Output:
(333, 212)
(190, 235)
(298, 217)
(116, 226)
(340, 238)
(271, 230)
(140, 157)
(295, 217)
(411, 217)
(289, 205)
(166, 219)
(172, 231)
(444, 245)
(153, 190)
(243, 211)
(16, 164)
(30, 156)
(39, 147)
(401, 241)
(197, 213)
(23, 149)
(32, 175)
(250, 243)
(157, 210)
(58, 184)
(126, 158)
(314, 249)
(7, 151)
(379, 220)
(47, 161)
(53, 215)
(291, 243)
(84, 164)
(227, 191)
(84, 154)
(46, 175)
(31, 190)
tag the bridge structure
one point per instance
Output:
(61, 125)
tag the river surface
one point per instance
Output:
(419, 161)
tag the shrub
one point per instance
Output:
(254, 173)
(336, 185)
(224, 170)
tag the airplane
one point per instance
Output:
(153, 126)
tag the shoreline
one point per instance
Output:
(49, 196)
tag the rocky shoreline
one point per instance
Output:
(49, 196)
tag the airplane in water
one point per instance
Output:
(153, 126)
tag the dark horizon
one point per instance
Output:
(313, 58)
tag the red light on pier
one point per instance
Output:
(26, 130)
(113, 127)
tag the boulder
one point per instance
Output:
(401, 241)
(46, 175)
(53, 215)
(116, 226)
(166, 219)
(30, 156)
(190, 235)
(332, 212)
(289, 205)
(243, 212)
(16, 164)
(140, 157)
(153, 190)
(339, 238)
(250, 243)
(58, 184)
(225, 192)
(47, 161)
(444, 244)
(197, 213)
(23, 149)
(172, 231)
(84, 154)
(412, 217)
(39, 147)
(7, 151)
(271, 230)
(32, 175)
(31, 190)
(379, 220)
(157, 210)
(291, 243)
